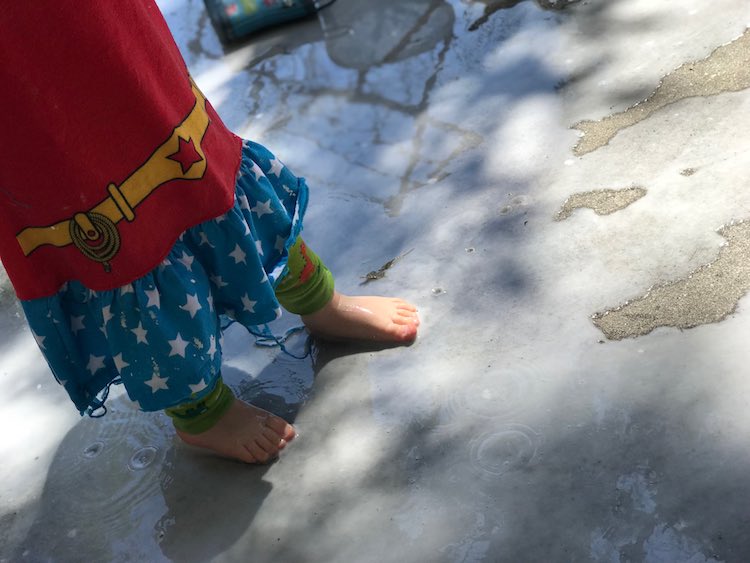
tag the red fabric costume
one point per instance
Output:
(106, 156)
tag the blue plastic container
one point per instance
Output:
(238, 19)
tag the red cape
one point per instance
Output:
(108, 151)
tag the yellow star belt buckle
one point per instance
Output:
(94, 232)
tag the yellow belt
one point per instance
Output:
(94, 232)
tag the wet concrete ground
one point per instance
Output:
(525, 424)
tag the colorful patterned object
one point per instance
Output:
(236, 19)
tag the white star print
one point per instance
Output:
(153, 298)
(218, 282)
(263, 278)
(277, 312)
(257, 171)
(107, 313)
(204, 240)
(120, 363)
(95, 363)
(287, 189)
(244, 203)
(276, 167)
(186, 260)
(157, 383)
(210, 302)
(238, 255)
(211, 346)
(248, 304)
(247, 229)
(192, 306)
(261, 209)
(128, 288)
(221, 218)
(178, 346)
(259, 248)
(198, 387)
(140, 334)
(76, 323)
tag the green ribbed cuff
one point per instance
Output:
(308, 285)
(202, 415)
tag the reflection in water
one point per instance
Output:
(378, 95)
(358, 89)
(393, 31)
(492, 6)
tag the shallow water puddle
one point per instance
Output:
(493, 6)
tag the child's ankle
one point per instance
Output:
(202, 415)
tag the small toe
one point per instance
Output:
(407, 332)
(258, 452)
(246, 455)
(267, 445)
(411, 316)
(405, 320)
(274, 438)
(281, 427)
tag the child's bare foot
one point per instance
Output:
(380, 319)
(246, 433)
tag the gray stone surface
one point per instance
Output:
(514, 429)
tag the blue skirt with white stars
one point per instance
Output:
(161, 334)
